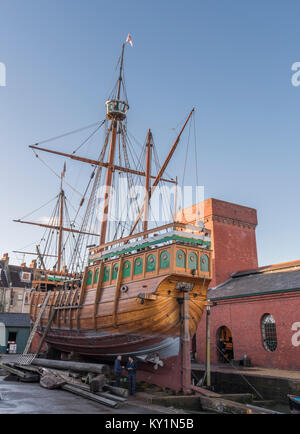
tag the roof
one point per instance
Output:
(11, 274)
(15, 319)
(264, 280)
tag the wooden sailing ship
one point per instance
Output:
(128, 298)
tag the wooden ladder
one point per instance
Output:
(36, 324)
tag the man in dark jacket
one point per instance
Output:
(118, 370)
(131, 368)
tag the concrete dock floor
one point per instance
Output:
(31, 398)
(26, 398)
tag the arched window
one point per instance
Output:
(106, 274)
(192, 261)
(268, 331)
(126, 269)
(151, 261)
(96, 276)
(204, 263)
(115, 271)
(89, 278)
(164, 259)
(180, 259)
(138, 266)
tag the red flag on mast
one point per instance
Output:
(129, 39)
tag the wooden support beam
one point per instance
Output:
(67, 304)
(98, 292)
(116, 390)
(114, 167)
(57, 228)
(13, 370)
(74, 298)
(81, 295)
(92, 396)
(96, 368)
(117, 294)
(47, 328)
(185, 345)
(33, 253)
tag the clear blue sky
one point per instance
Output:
(231, 59)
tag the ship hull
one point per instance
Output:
(101, 345)
(136, 314)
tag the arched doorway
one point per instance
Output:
(225, 345)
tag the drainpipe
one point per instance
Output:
(23, 301)
(9, 298)
(2, 302)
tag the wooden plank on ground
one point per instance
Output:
(91, 396)
(116, 390)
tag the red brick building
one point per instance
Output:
(260, 310)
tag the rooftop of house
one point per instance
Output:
(12, 275)
(284, 277)
(15, 319)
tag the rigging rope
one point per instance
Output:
(55, 173)
(68, 134)
(27, 215)
(89, 137)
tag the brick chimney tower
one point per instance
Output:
(233, 235)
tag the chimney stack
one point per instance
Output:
(5, 259)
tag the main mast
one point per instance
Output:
(148, 180)
(116, 112)
(116, 109)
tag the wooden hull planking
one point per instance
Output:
(127, 315)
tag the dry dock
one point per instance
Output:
(265, 384)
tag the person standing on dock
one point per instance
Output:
(118, 370)
(131, 368)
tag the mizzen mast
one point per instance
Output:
(61, 217)
(161, 172)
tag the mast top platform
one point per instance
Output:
(116, 109)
